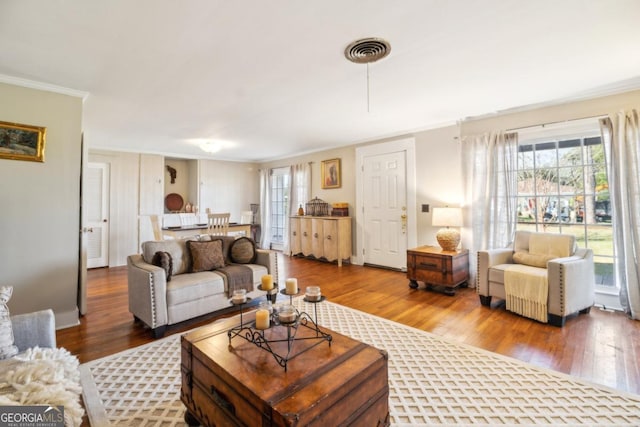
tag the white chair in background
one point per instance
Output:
(158, 232)
(246, 217)
(188, 219)
(171, 220)
(218, 224)
(156, 227)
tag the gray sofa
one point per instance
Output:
(159, 303)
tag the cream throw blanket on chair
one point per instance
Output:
(527, 291)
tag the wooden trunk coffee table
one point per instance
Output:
(239, 384)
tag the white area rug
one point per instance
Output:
(433, 381)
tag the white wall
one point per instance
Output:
(39, 249)
(228, 187)
(438, 177)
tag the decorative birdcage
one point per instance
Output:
(316, 207)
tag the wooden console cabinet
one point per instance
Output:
(434, 266)
(325, 237)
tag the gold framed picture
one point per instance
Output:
(22, 142)
(331, 173)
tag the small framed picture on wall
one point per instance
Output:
(331, 173)
(22, 142)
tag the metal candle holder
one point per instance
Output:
(302, 320)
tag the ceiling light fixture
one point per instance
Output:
(365, 51)
(211, 146)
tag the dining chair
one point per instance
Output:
(188, 218)
(158, 232)
(157, 229)
(218, 224)
(246, 217)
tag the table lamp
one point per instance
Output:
(448, 238)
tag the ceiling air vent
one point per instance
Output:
(367, 50)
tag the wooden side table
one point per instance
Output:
(437, 267)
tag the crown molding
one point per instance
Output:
(32, 84)
(611, 89)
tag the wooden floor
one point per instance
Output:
(602, 347)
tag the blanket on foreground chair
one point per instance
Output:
(33, 371)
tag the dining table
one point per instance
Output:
(191, 230)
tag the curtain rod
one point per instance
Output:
(599, 116)
(285, 166)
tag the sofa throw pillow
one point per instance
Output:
(205, 256)
(163, 260)
(533, 260)
(7, 344)
(243, 251)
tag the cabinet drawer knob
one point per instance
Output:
(294, 233)
(315, 235)
(329, 237)
(304, 234)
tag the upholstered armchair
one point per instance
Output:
(36, 329)
(543, 276)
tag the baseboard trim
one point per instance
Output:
(67, 319)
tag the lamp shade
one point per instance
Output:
(447, 217)
(448, 239)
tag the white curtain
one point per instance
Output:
(265, 208)
(490, 178)
(299, 192)
(621, 137)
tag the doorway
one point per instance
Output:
(96, 206)
(386, 203)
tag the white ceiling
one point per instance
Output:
(270, 77)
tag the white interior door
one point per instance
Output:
(96, 205)
(385, 203)
(385, 210)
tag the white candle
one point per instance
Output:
(287, 314)
(292, 286)
(313, 293)
(267, 282)
(239, 296)
(262, 319)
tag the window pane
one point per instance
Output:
(279, 204)
(526, 209)
(526, 182)
(545, 155)
(571, 180)
(525, 157)
(563, 188)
